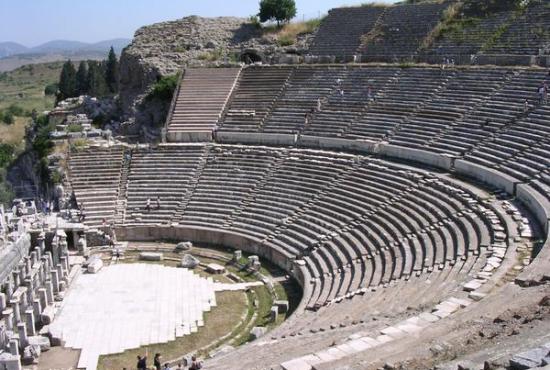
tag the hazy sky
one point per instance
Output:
(32, 22)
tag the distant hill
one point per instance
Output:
(11, 48)
(14, 55)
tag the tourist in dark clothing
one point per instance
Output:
(195, 364)
(142, 363)
(156, 361)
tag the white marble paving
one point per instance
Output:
(130, 305)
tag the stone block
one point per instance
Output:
(184, 246)
(473, 285)
(258, 331)
(214, 268)
(282, 305)
(150, 256)
(530, 359)
(189, 262)
(94, 265)
(274, 313)
(47, 315)
(40, 341)
(9, 361)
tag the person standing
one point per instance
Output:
(142, 362)
(148, 204)
(195, 364)
(156, 361)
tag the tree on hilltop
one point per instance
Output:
(279, 10)
(67, 81)
(111, 71)
(82, 78)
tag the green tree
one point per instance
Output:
(279, 10)
(51, 89)
(82, 78)
(111, 71)
(97, 86)
(67, 81)
(6, 154)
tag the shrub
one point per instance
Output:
(16, 110)
(51, 89)
(74, 128)
(6, 154)
(286, 40)
(164, 88)
(7, 118)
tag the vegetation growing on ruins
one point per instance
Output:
(163, 89)
(99, 79)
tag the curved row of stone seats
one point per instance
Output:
(200, 99)
(162, 173)
(258, 88)
(296, 179)
(405, 95)
(305, 87)
(458, 95)
(503, 109)
(225, 182)
(348, 100)
(456, 233)
(527, 33)
(95, 175)
(358, 222)
(341, 31)
(401, 31)
(468, 38)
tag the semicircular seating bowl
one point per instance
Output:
(355, 220)
(361, 233)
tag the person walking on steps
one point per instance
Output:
(148, 204)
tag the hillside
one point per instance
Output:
(13, 55)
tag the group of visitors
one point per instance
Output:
(148, 203)
(195, 364)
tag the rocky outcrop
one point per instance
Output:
(164, 48)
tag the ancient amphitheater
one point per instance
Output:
(408, 197)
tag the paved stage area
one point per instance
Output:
(126, 306)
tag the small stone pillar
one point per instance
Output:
(274, 313)
(16, 280)
(49, 292)
(82, 245)
(16, 307)
(9, 288)
(37, 309)
(237, 255)
(43, 298)
(54, 253)
(65, 265)
(34, 258)
(42, 242)
(49, 258)
(8, 316)
(29, 321)
(3, 302)
(23, 338)
(55, 281)
(60, 271)
(28, 266)
(14, 347)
